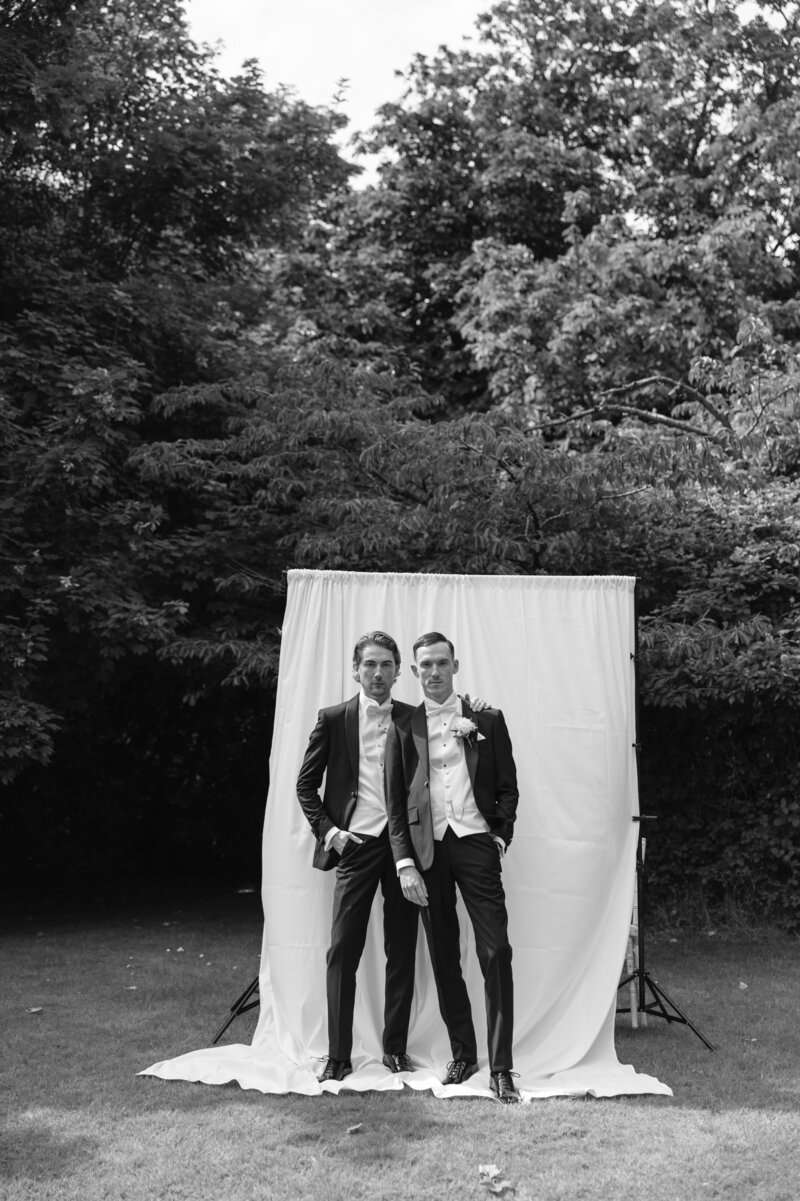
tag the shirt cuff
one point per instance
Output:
(500, 843)
(329, 837)
(404, 863)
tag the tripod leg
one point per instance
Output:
(239, 1006)
(661, 996)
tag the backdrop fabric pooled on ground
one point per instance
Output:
(556, 655)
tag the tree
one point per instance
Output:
(136, 185)
(540, 199)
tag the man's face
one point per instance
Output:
(376, 672)
(435, 668)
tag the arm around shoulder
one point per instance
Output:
(506, 787)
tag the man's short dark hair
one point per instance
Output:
(430, 639)
(376, 638)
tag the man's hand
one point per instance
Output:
(341, 839)
(413, 886)
(477, 705)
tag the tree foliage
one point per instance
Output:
(137, 190)
(558, 334)
(647, 141)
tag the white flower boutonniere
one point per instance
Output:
(462, 727)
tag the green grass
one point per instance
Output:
(79, 1123)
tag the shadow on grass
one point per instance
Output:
(34, 1152)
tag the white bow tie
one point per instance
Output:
(449, 706)
(373, 710)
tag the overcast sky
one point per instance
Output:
(311, 44)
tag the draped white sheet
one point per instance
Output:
(555, 654)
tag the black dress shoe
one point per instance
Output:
(336, 1069)
(458, 1071)
(398, 1061)
(503, 1086)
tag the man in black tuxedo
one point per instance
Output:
(451, 793)
(349, 822)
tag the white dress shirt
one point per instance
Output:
(369, 816)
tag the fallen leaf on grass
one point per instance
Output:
(355, 1129)
(35, 1009)
(742, 984)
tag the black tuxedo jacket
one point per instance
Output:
(333, 752)
(490, 762)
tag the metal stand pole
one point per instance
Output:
(661, 1005)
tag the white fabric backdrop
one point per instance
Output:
(554, 653)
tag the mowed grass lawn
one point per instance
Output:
(92, 996)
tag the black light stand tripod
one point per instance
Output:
(661, 1005)
(241, 1005)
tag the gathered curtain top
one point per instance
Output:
(622, 583)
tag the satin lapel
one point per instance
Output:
(351, 734)
(470, 750)
(419, 731)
